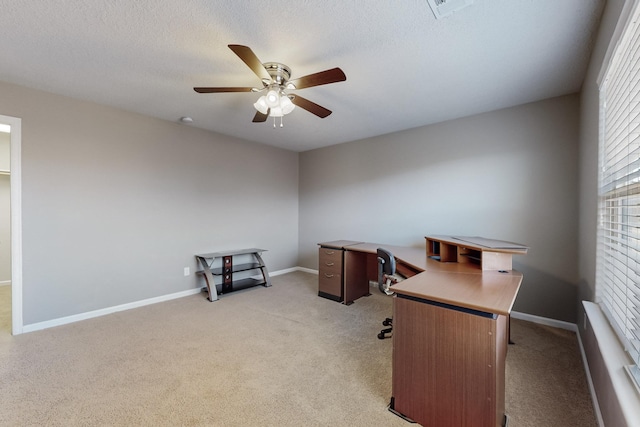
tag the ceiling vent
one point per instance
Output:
(442, 8)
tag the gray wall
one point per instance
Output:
(115, 204)
(510, 174)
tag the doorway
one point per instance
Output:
(10, 225)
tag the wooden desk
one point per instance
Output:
(450, 326)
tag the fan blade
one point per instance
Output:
(248, 57)
(333, 75)
(222, 89)
(311, 107)
(259, 117)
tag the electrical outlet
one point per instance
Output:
(187, 271)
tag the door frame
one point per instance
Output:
(16, 221)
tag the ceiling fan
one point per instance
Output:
(275, 78)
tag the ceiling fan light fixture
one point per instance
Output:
(282, 107)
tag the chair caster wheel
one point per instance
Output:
(386, 322)
(380, 336)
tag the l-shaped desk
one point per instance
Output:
(450, 322)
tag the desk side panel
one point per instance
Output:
(444, 366)
(356, 283)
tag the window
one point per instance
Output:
(618, 256)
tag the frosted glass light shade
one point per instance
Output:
(286, 105)
(261, 105)
(273, 98)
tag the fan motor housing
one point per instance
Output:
(280, 73)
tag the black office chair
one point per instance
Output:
(387, 277)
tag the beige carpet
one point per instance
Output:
(279, 356)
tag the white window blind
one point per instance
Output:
(618, 256)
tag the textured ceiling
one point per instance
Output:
(404, 68)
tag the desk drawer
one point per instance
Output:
(330, 285)
(329, 258)
(330, 267)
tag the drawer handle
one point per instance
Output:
(330, 264)
(330, 252)
(328, 276)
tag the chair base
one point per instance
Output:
(386, 322)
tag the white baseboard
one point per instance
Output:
(306, 270)
(284, 271)
(109, 310)
(592, 389)
(104, 311)
(545, 321)
(5, 282)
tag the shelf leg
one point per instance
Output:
(263, 268)
(208, 277)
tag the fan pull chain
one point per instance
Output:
(274, 122)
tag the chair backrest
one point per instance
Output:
(386, 269)
(388, 261)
